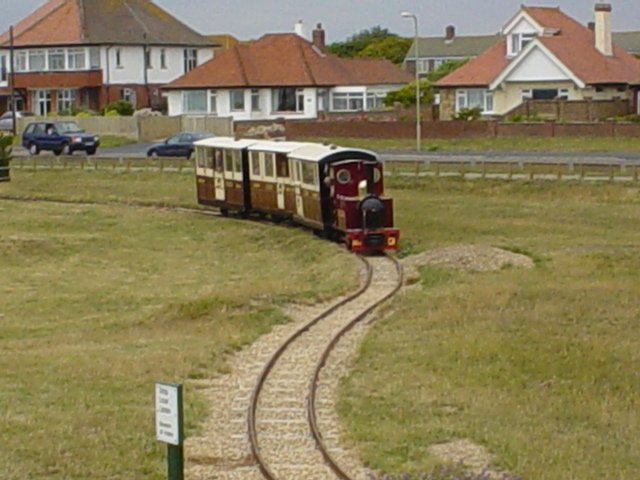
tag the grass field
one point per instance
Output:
(510, 144)
(99, 302)
(539, 366)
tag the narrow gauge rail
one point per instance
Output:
(287, 400)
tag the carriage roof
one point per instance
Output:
(313, 152)
(276, 146)
(225, 142)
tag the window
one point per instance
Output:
(343, 176)
(255, 100)
(228, 161)
(269, 168)
(288, 100)
(76, 59)
(56, 59)
(37, 60)
(118, 58)
(66, 100)
(219, 160)
(194, 101)
(3, 68)
(309, 173)
(237, 161)
(519, 41)
(375, 100)
(20, 62)
(94, 57)
(563, 94)
(147, 58)
(163, 59)
(482, 99)
(237, 100)
(527, 94)
(190, 59)
(209, 154)
(43, 102)
(255, 164)
(348, 102)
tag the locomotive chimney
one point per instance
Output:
(604, 40)
(319, 37)
(450, 33)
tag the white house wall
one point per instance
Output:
(537, 66)
(523, 27)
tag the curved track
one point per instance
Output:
(285, 438)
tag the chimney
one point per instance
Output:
(604, 41)
(592, 26)
(450, 32)
(319, 37)
(299, 29)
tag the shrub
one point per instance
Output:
(111, 113)
(468, 114)
(6, 147)
(122, 107)
(406, 95)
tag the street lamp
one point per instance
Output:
(415, 44)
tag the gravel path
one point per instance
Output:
(223, 451)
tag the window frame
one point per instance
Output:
(190, 59)
(66, 99)
(54, 55)
(40, 54)
(463, 100)
(193, 105)
(237, 94)
(75, 54)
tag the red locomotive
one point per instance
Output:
(336, 191)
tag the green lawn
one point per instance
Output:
(539, 366)
(99, 302)
(527, 144)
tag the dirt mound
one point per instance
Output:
(476, 258)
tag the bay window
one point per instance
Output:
(76, 59)
(474, 98)
(347, 101)
(194, 101)
(288, 99)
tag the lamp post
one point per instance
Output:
(415, 44)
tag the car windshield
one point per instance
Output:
(68, 127)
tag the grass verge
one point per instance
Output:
(99, 302)
(539, 366)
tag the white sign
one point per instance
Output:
(168, 414)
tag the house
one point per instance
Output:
(86, 53)
(544, 55)
(434, 51)
(630, 41)
(283, 75)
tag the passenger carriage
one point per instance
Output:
(336, 191)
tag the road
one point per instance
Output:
(138, 150)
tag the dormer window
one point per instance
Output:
(519, 41)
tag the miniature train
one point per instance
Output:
(338, 192)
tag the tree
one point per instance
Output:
(392, 48)
(445, 69)
(358, 42)
(406, 95)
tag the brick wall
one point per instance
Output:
(456, 129)
(575, 110)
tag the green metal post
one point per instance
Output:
(175, 457)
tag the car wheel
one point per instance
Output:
(66, 150)
(57, 152)
(91, 151)
(33, 149)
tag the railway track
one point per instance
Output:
(284, 432)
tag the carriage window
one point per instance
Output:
(377, 175)
(344, 176)
(268, 165)
(200, 155)
(255, 164)
(282, 166)
(237, 161)
(209, 158)
(219, 160)
(299, 171)
(228, 161)
(309, 173)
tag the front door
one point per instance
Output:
(42, 102)
(218, 175)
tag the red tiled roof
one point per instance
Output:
(74, 22)
(287, 60)
(573, 45)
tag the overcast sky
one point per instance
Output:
(248, 19)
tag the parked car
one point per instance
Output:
(59, 137)
(178, 145)
(6, 119)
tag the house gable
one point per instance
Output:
(536, 63)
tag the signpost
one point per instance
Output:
(169, 426)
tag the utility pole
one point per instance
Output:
(417, 56)
(13, 81)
